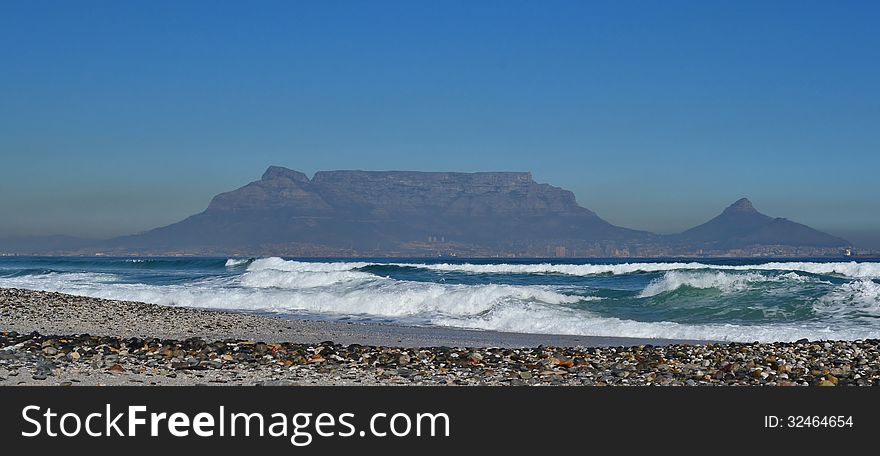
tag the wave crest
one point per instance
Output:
(563, 269)
(280, 264)
(846, 269)
(234, 262)
(859, 298)
(545, 320)
(723, 281)
(271, 278)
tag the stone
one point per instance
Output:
(277, 383)
(475, 358)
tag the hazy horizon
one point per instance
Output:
(119, 118)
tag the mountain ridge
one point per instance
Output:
(367, 213)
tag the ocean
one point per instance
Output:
(720, 299)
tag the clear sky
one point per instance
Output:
(116, 117)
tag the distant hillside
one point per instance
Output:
(741, 226)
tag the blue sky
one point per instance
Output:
(116, 117)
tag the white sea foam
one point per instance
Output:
(233, 262)
(78, 283)
(279, 264)
(726, 282)
(859, 298)
(847, 269)
(546, 320)
(268, 278)
(377, 297)
(563, 269)
(59, 279)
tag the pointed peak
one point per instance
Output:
(741, 205)
(280, 172)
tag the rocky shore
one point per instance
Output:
(34, 358)
(29, 359)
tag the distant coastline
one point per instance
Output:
(764, 252)
(869, 255)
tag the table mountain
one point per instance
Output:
(388, 210)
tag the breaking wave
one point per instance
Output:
(268, 278)
(722, 281)
(845, 269)
(235, 262)
(679, 300)
(278, 264)
(564, 269)
(379, 297)
(858, 299)
(543, 320)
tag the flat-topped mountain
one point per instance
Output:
(401, 211)
(741, 225)
(381, 193)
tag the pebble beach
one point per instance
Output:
(58, 339)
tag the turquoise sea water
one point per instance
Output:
(724, 299)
